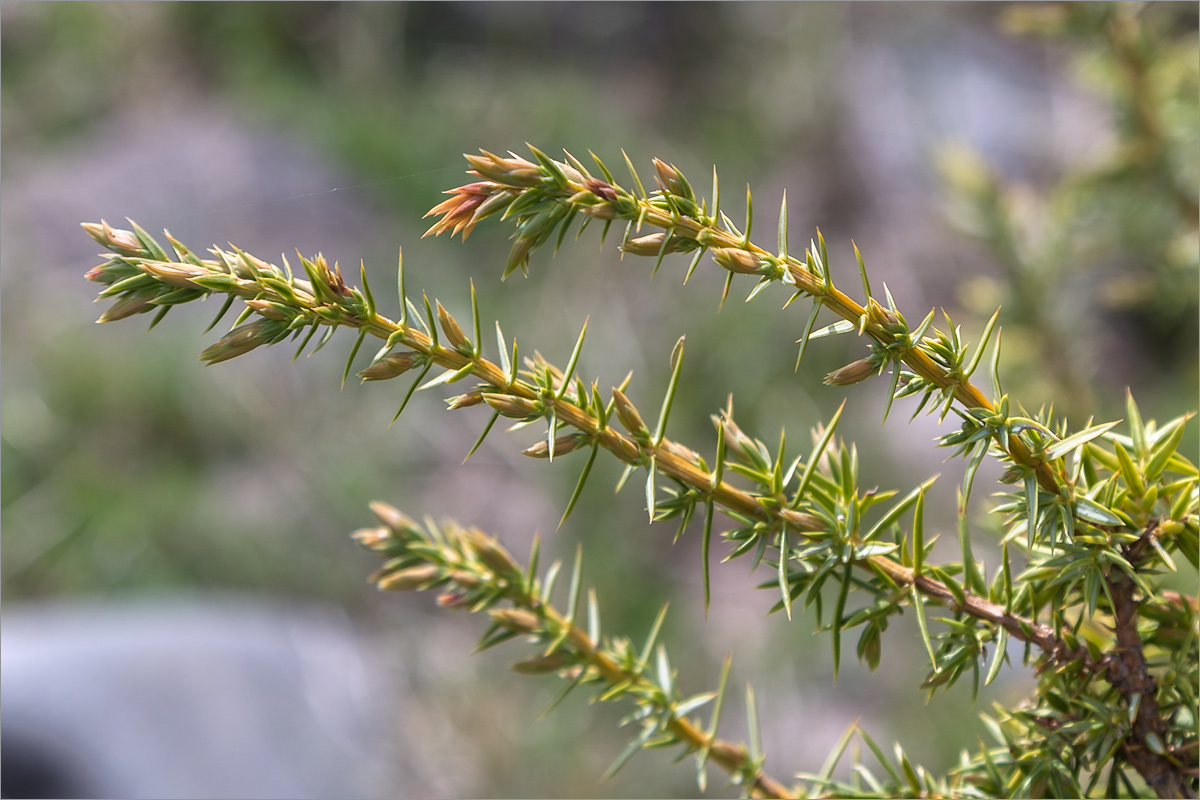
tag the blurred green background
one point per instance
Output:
(977, 156)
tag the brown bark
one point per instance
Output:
(1128, 672)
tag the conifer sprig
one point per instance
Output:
(1094, 514)
(819, 526)
(546, 197)
(472, 571)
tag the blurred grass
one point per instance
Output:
(126, 467)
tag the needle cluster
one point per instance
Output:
(1095, 517)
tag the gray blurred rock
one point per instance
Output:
(204, 696)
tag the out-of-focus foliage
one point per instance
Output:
(1103, 257)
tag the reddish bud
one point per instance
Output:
(601, 189)
(455, 599)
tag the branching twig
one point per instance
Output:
(1093, 522)
(1128, 672)
(292, 304)
(475, 572)
(550, 194)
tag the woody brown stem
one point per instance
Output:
(1128, 672)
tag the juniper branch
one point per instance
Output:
(473, 571)
(546, 195)
(817, 528)
(1127, 670)
(142, 278)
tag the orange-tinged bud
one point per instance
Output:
(392, 517)
(562, 446)
(509, 406)
(516, 619)
(648, 245)
(540, 665)
(106, 273)
(601, 189)
(257, 265)
(651, 245)
(125, 307)
(471, 398)
(388, 367)
(490, 552)
(453, 330)
(172, 274)
(119, 241)
(737, 260)
(96, 231)
(599, 211)
(456, 599)
(737, 441)
(668, 177)
(239, 341)
(629, 415)
(852, 373)
(882, 316)
(460, 211)
(267, 309)
(514, 171)
(373, 538)
(464, 577)
(573, 175)
(407, 579)
(1177, 599)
